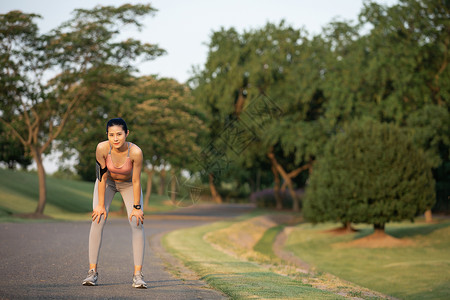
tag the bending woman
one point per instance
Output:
(119, 165)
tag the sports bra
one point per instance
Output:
(124, 169)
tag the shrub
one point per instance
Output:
(369, 173)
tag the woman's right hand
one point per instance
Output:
(98, 212)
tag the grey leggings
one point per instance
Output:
(95, 236)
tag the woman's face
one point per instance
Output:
(117, 136)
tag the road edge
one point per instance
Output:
(177, 269)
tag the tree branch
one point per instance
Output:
(297, 171)
(14, 131)
(64, 118)
(27, 119)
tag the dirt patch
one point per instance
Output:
(376, 240)
(241, 237)
(289, 257)
(340, 230)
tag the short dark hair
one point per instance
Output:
(118, 122)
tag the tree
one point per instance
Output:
(84, 54)
(163, 121)
(396, 73)
(300, 132)
(167, 126)
(243, 72)
(369, 173)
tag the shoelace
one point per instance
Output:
(139, 276)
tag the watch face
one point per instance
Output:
(137, 206)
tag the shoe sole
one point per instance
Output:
(139, 286)
(87, 283)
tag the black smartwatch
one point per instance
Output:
(137, 206)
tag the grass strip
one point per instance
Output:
(237, 278)
(253, 239)
(264, 245)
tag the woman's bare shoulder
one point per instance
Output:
(103, 146)
(135, 151)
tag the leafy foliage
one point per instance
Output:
(369, 173)
(84, 54)
(12, 151)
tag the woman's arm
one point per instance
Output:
(100, 209)
(137, 158)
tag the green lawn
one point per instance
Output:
(66, 199)
(417, 271)
(236, 278)
(421, 271)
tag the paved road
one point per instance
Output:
(49, 260)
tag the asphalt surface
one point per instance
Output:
(49, 260)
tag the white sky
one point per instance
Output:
(183, 27)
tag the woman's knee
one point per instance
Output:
(97, 224)
(136, 226)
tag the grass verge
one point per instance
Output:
(239, 279)
(419, 271)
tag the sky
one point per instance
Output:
(183, 27)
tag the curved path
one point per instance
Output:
(49, 260)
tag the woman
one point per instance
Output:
(119, 165)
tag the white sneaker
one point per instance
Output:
(91, 279)
(138, 281)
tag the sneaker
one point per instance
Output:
(91, 279)
(138, 281)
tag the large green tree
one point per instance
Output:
(371, 173)
(244, 88)
(44, 78)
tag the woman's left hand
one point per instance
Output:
(139, 214)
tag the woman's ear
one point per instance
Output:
(128, 132)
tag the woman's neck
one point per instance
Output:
(122, 149)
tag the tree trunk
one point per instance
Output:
(295, 202)
(214, 194)
(428, 216)
(258, 180)
(37, 155)
(173, 186)
(287, 179)
(162, 181)
(239, 106)
(348, 227)
(148, 190)
(283, 186)
(276, 188)
(378, 229)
